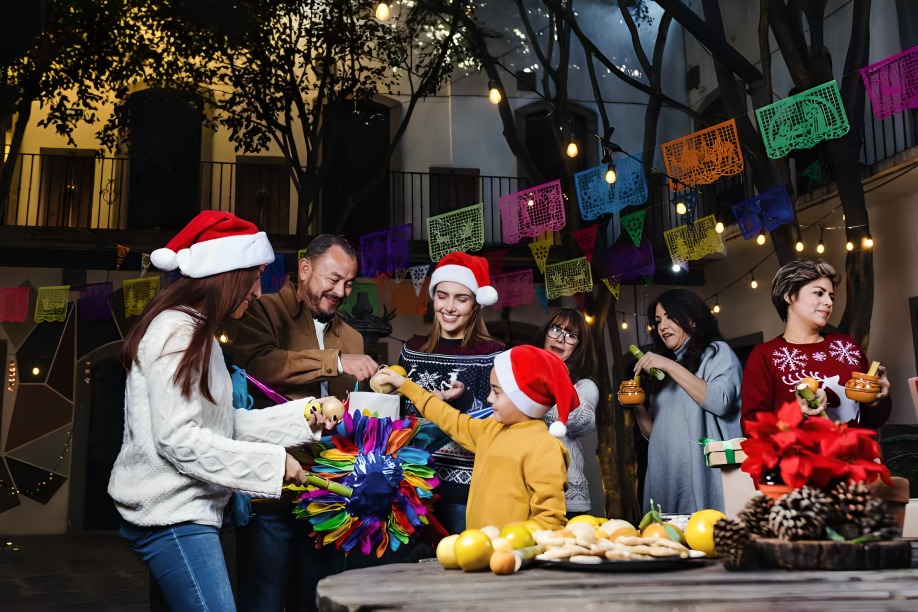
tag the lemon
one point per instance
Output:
(533, 526)
(583, 518)
(518, 535)
(398, 370)
(473, 550)
(699, 531)
(446, 552)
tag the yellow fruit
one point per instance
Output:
(533, 526)
(446, 552)
(398, 370)
(699, 531)
(518, 535)
(811, 383)
(473, 550)
(582, 518)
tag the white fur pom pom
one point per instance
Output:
(558, 429)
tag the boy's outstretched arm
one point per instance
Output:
(463, 429)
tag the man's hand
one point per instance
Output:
(360, 367)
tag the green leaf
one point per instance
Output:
(672, 533)
(834, 535)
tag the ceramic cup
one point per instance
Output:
(630, 393)
(862, 388)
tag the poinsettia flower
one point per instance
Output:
(796, 470)
(863, 470)
(850, 442)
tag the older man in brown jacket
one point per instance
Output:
(295, 342)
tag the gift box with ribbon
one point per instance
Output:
(720, 453)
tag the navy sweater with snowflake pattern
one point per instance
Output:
(774, 369)
(450, 361)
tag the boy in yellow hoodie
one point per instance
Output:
(520, 468)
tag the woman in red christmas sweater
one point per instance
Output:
(803, 293)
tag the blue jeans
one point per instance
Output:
(186, 565)
(277, 564)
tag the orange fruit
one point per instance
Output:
(659, 530)
(811, 383)
(624, 531)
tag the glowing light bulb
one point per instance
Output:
(680, 208)
(868, 242)
(821, 247)
(676, 268)
(760, 239)
(494, 95)
(716, 308)
(589, 318)
(799, 246)
(572, 149)
(611, 174)
(719, 228)
(382, 11)
(223, 338)
(849, 245)
(754, 283)
(624, 324)
(36, 371)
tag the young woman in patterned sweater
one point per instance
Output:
(803, 293)
(454, 362)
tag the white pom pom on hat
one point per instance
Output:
(214, 242)
(469, 271)
(535, 380)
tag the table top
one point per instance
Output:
(704, 585)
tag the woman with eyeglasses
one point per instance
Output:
(566, 335)
(698, 398)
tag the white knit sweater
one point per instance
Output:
(182, 458)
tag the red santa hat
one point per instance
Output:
(214, 242)
(535, 380)
(467, 270)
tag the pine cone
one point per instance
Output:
(754, 515)
(800, 515)
(733, 543)
(878, 521)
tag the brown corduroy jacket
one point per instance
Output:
(276, 343)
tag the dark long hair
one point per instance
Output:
(691, 314)
(583, 359)
(209, 300)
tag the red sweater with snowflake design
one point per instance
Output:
(774, 369)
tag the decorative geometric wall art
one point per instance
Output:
(50, 452)
(8, 497)
(384, 251)
(802, 120)
(704, 156)
(14, 304)
(568, 278)
(693, 241)
(51, 304)
(513, 288)
(540, 250)
(138, 292)
(27, 423)
(764, 212)
(457, 230)
(33, 482)
(531, 212)
(596, 197)
(62, 370)
(892, 83)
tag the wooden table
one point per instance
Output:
(427, 586)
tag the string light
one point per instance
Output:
(799, 246)
(820, 246)
(382, 11)
(624, 322)
(849, 245)
(494, 93)
(572, 149)
(588, 318)
(716, 308)
(676, 268)
(36, 371)
(611, 174)
(11, 375)
(680, 208)
(719, 228)
(223, 337)
(760, 239)
(867, 242)
(753, 283)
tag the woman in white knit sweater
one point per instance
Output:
(185, 448)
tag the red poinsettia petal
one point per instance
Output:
(796, 470)
(790, 414)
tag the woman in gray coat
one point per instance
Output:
(698, 398)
